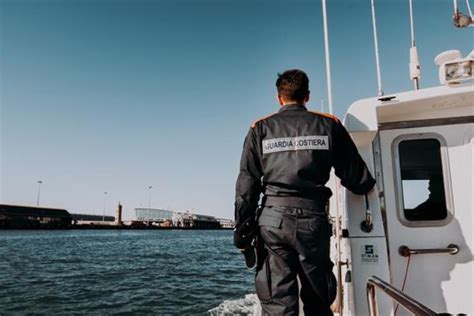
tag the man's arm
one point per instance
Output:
(348, 164)
(248, 189)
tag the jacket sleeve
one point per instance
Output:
(249, 185)
(348, 164)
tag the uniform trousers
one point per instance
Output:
(296, 246)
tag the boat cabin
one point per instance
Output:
(415, 231)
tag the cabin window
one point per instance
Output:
(422, 183)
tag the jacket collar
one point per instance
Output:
(293, 107)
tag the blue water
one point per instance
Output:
(119, 272)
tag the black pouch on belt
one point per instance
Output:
(244, 233)
(332, 284)
(244, 239)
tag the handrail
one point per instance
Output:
(413, 306)
(405, 251)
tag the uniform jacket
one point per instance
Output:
(290, 154)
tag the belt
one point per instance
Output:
(294, 201)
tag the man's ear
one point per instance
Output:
(306, 100)
(280, 100)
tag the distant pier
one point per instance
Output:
(29, 217)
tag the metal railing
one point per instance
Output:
(411, 305)
(405, 251)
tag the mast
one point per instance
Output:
(415, 68)
(376, 46)
(339, 303)
(328, 62)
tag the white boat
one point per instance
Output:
(410, 250)
(394, 137)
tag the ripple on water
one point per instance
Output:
(120, 272)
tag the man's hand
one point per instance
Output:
(371, 190)
(244, 234)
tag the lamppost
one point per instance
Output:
(39, 192)
(149, 202)
(103, 210)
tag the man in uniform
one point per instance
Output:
(287, 157)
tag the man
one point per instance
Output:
(287, 157)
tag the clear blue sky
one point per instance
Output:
(119, 95)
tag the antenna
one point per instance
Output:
(415, 69)
(326, 50)
(469, 8)
(376, 44)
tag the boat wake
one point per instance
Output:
(249, 305)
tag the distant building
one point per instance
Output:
(226, 223)
(181, 219)
(118, 215)
(176, 219)
(91, 219)
(152, 215)
(25, 217)
(204, 221)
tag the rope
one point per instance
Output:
(404, 282)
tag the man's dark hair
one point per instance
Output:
(293, 85)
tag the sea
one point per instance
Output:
(123, 272)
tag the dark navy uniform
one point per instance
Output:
(288, 156)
